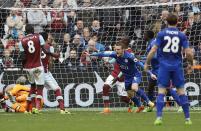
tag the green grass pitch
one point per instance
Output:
(93, 121)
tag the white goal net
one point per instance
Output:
(72, 23)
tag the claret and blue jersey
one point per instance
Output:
(170, 42)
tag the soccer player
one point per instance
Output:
(149, 37)
(128, 65)
(18, 94)
(30, 47)
(116, 79)
(170, 42)
(50, 82)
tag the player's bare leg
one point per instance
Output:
(106, 89)
(60, 100)
(39, 97)
(31, 98)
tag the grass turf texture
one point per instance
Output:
(93, 121)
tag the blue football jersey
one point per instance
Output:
(170, 42)
(128, 63)
(154, 60)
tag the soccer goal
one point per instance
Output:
(72, 24)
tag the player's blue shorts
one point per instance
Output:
(130, 81)
(176, 76)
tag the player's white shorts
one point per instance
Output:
(36, 75)
(120, 86)
(50, 82)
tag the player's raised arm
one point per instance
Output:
(139, 63)
(150, 56)
(103, 54)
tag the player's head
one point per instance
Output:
(21, 80)
(125, 42)
(44, 35)
(172, 20)
(29, 29)
(148, 35)
(119, 48)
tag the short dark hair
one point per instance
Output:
(44, 35)
(29, 29)
(172, 19)
(120, 44)
(125, 42)
(150, 34)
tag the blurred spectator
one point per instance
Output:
(86, 36)
(164, 15)
(77, 45)
(37, 18)
(179, 13)
(73, 62)
(43, 4)
(95, 27)
(99, 47)
(87, 15)
(7, 59)
(3, 16)
(87, 60)
(58, 20)
(195, 30)
(26, 3)
(14, 23)
(22, 14)
(187, 25)
(19, 4)
(156, 26)
(197, 54)
(71, 22)
(79, 27)
(66, 47)
(66, 4)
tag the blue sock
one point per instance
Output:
(160, 104)
(185, 105)
(136, 101)
(142, 95)
(174, 94)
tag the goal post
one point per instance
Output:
(81, 80)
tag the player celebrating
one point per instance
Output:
(170, 43)
(50, 82)
(149, 37)
(30, 48)
(116, 79)
(128, 65)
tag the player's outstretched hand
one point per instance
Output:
(153, 77)
(146, 67)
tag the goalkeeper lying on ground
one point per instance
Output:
(18, 93)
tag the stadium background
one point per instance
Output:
(113, 20)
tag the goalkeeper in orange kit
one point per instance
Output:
(17, 94)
